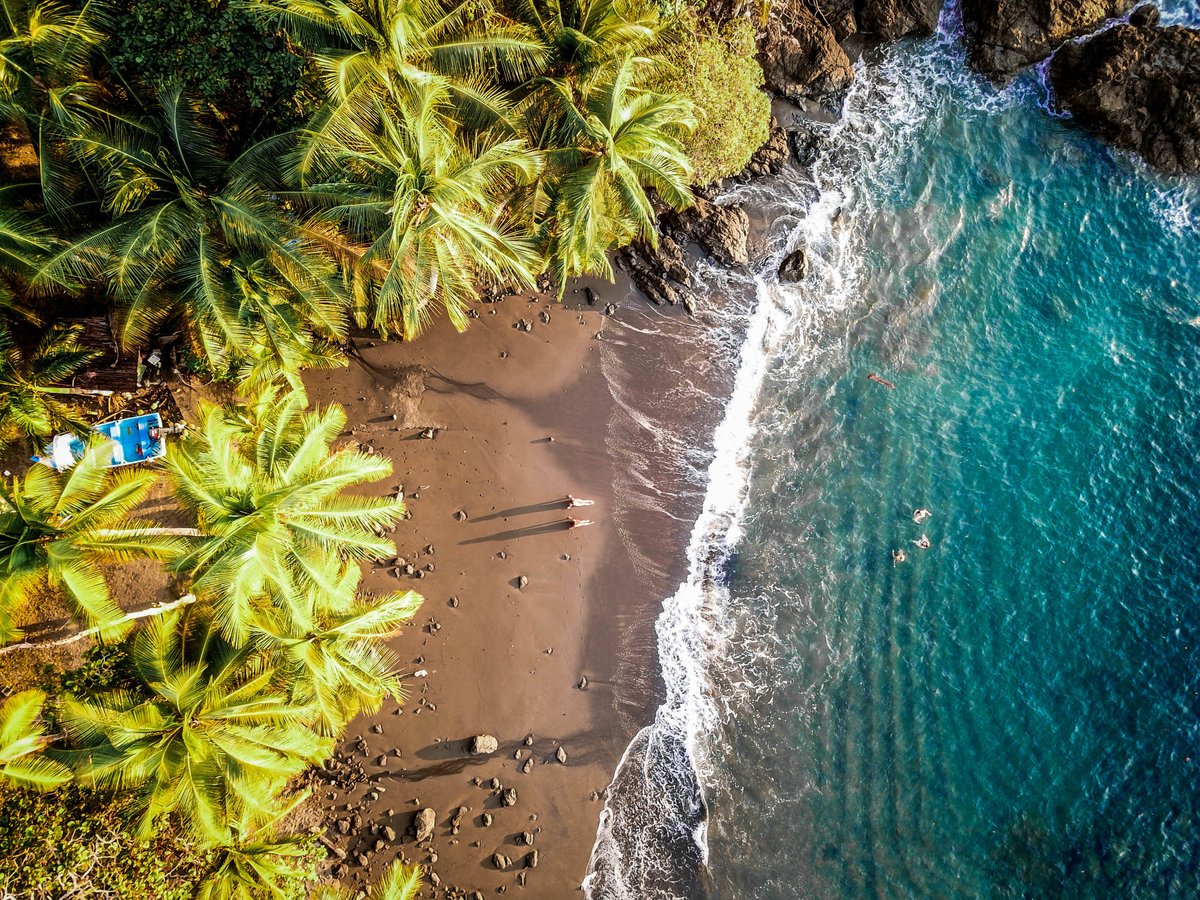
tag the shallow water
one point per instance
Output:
(1012, 712)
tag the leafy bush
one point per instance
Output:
(216, 51)
(716, 69)
(77, 843)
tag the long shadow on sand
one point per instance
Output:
(515, 533)
(548, 506)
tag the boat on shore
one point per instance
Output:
(132, 440)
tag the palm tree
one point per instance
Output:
(330, 645)
(270, 499)
(369, 49)
(400, 882)
(257, 863)
(586, 35)
(208, 737)
(22, 738)
(612, 141)
(31, 390)
(46, 84)
(57, 529)
(424, 215)
(190, 230)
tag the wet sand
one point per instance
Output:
(499, 658)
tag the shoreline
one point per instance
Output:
(504, 659)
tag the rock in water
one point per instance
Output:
(794, 266)
(1005, 36)
(1136, 86)
(425, 821)
(894, 19)
(483, 743)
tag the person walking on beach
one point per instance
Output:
(572, 502)
(579, 523)
(921, 515)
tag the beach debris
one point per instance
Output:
(486, 820)
(423, 825)
(561, 755)
(483, 743)
(610, 309)
(420, 673)
(522, 581)
(502, 555)
(504, 354)
(528, 767)
(500, 861)
(531, 859)
(454, 603)
(461, 515)
(591, 296)
(509, 797)
(880, 380)
(583, 683)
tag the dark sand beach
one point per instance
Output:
(520, 420)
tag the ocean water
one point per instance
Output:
(1014, 711)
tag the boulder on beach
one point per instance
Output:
(1005, 36)
(1137, 87)
(424, 823)
(483, 743)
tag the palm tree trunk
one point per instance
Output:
(156, 531)
(79, 636)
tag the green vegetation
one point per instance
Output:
(257, 175)
(717, 71)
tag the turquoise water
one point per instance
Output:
(1014, 711)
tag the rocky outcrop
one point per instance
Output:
(723, 231)
(1005, 36)
(1136, 86)
(800, 55)
(483, 743)
(888, 19)
(770, 158)
(423, 825)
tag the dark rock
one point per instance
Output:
(591, 296)
(1138, 88)
(794, 266)
(1145, 16)
(1005, 36)
(769, 159)
(800, 55)
(723, 231)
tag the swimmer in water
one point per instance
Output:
(898, 557)
(923, 542)
(921, 515)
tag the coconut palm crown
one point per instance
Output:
(22, 738)
(209, 738)
(270, 498)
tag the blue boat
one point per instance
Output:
(134, 440)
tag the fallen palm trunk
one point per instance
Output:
(79, 636)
